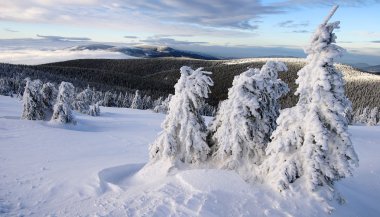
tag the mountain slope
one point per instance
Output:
(157, 76)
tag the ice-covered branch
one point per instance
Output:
(332, 12)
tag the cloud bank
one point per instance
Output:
(34, 57)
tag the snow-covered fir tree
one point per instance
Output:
(109, 100)
(62, 108)
(373, 118)
(137, 101)
(83, 101)
(357, 114)
(157, 102)
(5, 87)
(147, 102)
(49, 95)
(311, 144)
(120, 99)
(245, 121)
(128, 98)
(94, 110)
(363, 117)
(183, 138)
(33, 108)
(162, 106)
(97, 97)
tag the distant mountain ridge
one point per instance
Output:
(373, 69)
(145, 51)
(368, 68)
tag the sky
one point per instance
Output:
(224, 28)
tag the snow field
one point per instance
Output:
(97, 168)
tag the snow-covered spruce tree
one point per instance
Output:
(49, 95)
(157, 102)
(109, 100)
(364, 116)
(5, 87)
(128, 98)
(137, 101)
(311, 144)
(94, 110)
(119, 100)
(33, 108)
(163, 107)
(147, 102)
(373, 118)
(245, 121)
(183, 139)
(83, 101)
(357, 114)
(62, 108)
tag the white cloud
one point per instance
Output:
(34, 57)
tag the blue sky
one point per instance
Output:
(233, 28)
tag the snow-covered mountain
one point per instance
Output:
(144, 51)
(373, 69)
(368, 68)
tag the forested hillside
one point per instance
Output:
(156, 77)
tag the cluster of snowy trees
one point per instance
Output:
(46, 102)
(238, 136)
(366, 116)
(307, 145)
(40, 98)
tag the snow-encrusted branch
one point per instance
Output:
(332, 12)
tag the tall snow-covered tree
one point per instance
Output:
(62, 109)
(33, 108)
(49, 95)
(245, 121)
(311, 143)
(137, 101)
(183, 138)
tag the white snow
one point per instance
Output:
(94, 169)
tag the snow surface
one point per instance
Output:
(94, 169)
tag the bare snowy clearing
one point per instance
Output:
(95, 169)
